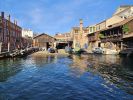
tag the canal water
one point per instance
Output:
(85, 77)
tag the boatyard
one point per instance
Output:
(66, 50)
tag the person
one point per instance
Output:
(49, 49)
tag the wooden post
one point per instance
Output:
(9, 33)
(0, 47)
(121, 45)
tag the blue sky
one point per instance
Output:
(52, 16)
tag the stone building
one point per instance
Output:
(119, 35)
(10, 34)
(43, 41)
(93, 35)
(121, 14)
(79, 35)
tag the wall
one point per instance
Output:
(10, 33)
(113, 20)
(101, 26)
(41, 40)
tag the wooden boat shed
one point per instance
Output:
(43, 41)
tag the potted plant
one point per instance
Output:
(125, 29)
(101, 35)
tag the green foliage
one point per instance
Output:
(101, 35)
(125, 28)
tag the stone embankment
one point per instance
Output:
(61, 52)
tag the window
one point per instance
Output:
(90, 29)
(93, 29)
(99, 27)
(76, 31)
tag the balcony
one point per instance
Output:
(111, 39)
(92, 38)
(128, 35)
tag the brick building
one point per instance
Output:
(10, 34)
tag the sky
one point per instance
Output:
(59, 16)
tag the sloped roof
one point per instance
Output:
(41, 35)
(126, 7)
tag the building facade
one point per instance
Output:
(124, 11)
(91, 29)
(63, 40)
(119, 35)
(105, 28)
(43, 41)
(79, 35)
(27, 33)
(101, 25)
(10, 34)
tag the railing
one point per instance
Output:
(112, 39)
(128, 35)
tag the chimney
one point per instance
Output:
(2, 14)
(81, 26)
(16, 22)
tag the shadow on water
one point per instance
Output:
(8, 68)
(114, 69)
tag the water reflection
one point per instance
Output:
(8, 68)
(113, 69)
(40, 61)
(83, 77)
(79, 64)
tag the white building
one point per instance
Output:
(124, 11)
(27, 33)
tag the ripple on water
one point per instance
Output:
(66, 78)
